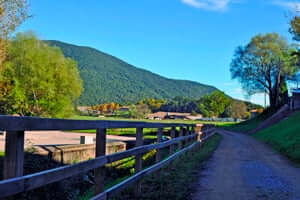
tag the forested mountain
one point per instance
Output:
(107, 78)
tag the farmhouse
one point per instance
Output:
(295, 99)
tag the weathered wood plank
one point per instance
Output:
(159, 140)
(14, 155)
(180, 145)
(11, 123)
(100, 151)
(138, 159)
(173, 132)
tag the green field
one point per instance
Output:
(284, 137)
(149, 133)
(79, 117)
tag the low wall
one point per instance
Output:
(69, 154)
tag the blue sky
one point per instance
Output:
(181, 39)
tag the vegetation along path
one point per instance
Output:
(244, 168)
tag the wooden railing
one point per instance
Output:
(14, 182)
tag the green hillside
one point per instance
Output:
(107, 78)
(284, 137)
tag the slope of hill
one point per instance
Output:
(284, 136)
(107, 78)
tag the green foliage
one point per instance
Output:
(139, 111)
(154, 104)
(40, 80)
(181, 104)
(264, 64)
(284, 137)
(108, 79)
(214, 105)
(236, 109)
(295, 28)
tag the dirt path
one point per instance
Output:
(244, 169)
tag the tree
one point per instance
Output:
(236, 109)
(214, 105)
(295, 28)
(12, 14)
(41, 81)
(139, 111)
(264, 64)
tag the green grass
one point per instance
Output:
(284, 137)
(1, 153)
(175, 181)
(78, 117)
(249, 124)
(149, 133)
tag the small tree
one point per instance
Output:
(236, 109)
(214, 105)
(139, 111)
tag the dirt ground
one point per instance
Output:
(33, 138)
(242, 168)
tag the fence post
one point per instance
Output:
(138, 159)
(14, 154)
(180, 145)
(100, 151)
(173, 133)
(188, 132)
(158, 151)
(193, 132)
(159, 140)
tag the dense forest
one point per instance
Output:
(109, 79)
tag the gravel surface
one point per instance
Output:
(243, 168)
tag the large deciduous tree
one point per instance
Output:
(264, 65)
(40, 81)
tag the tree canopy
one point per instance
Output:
(37, 79)
(264, 64)
(214, 105)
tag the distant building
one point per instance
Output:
(124, 108)
(295, 99)
(254, 113)
(173, 115)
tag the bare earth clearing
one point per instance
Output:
(58, 138)
(243, 168)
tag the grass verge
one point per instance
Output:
(251, 124)
(175, 181)
(284, 137)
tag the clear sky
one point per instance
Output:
(181, 39)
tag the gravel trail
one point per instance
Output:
(242, 168)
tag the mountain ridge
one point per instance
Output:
(107, 78)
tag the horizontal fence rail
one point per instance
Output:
(15, 128)
(11, 123)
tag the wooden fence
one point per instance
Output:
(15, 182)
